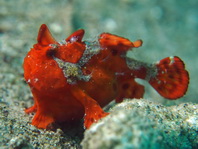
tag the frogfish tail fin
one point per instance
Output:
(171, 80)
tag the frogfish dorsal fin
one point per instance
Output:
(115, 42)
(76, 36)
(44, 36)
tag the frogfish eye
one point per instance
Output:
(51, 53)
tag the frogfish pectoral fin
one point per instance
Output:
(93, 111)
(41, 120)
(172, 79)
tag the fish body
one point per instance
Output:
(73, 79)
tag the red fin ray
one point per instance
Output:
(172, 79)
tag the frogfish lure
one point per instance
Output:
(73, 79)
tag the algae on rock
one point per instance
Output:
(144, 124)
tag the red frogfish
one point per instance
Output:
(74, 79)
